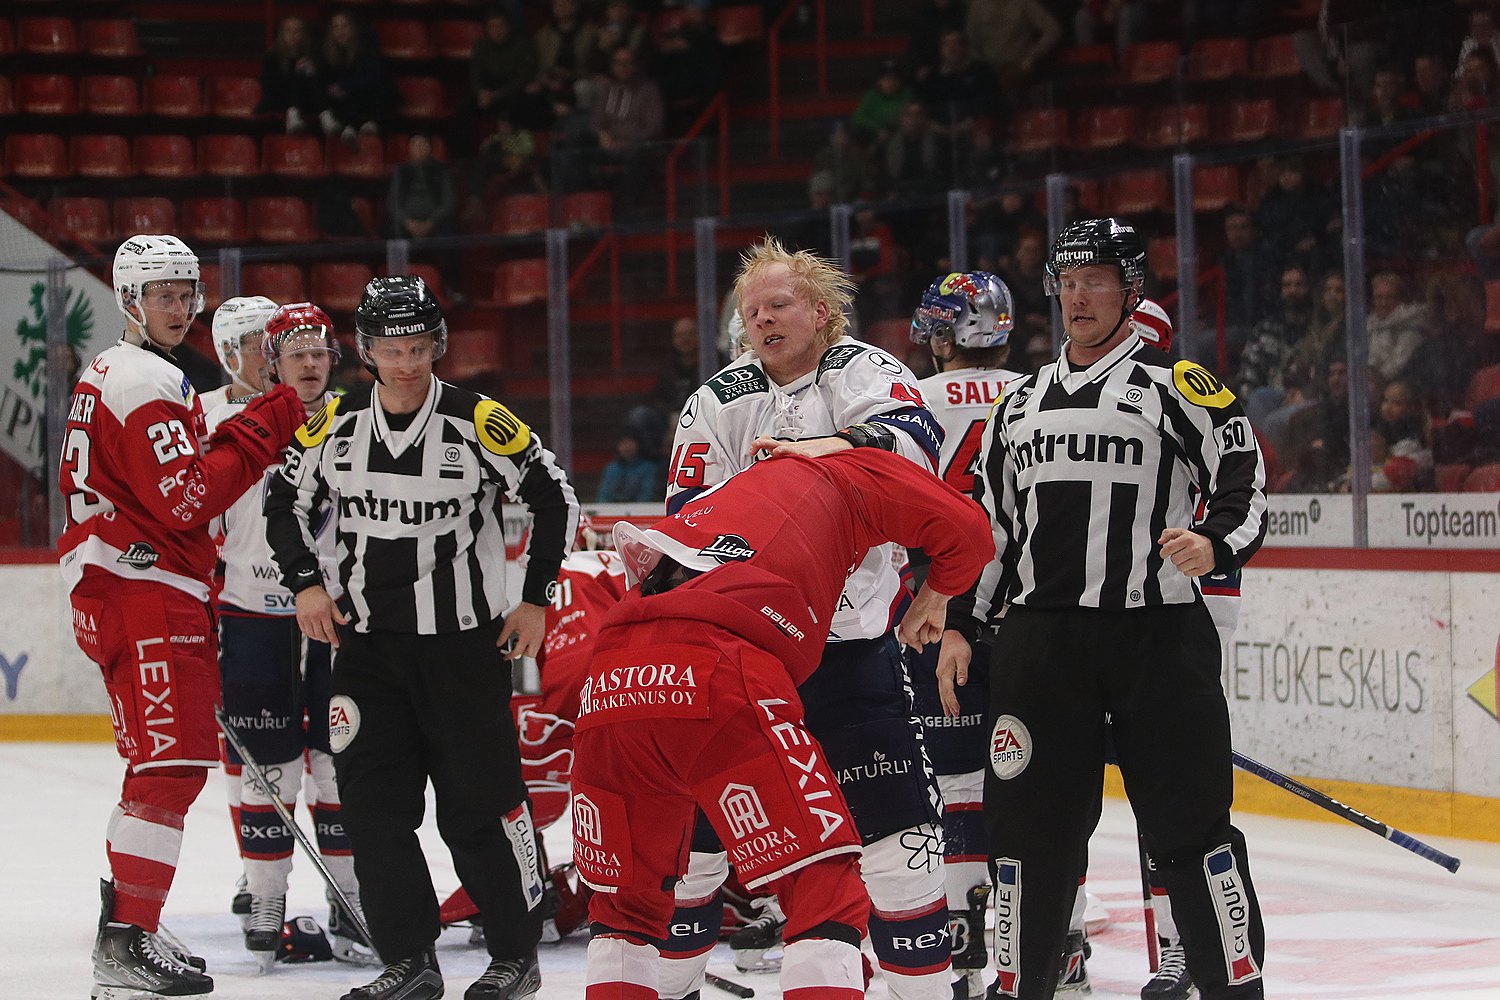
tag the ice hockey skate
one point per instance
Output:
(168, 942)
(409, 979)
(1074, 977)
(1171, 981)
(240, 904)
(131, 964)
(348, 944)
(761, 935)
(507, 979)
(263, 935)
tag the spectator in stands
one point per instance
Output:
(567, 49)
(934, 19)
(1318, 449)
(1394, 326)
(810, 230)
(1023, 275)
(1482, 35)
(690, 57)
(359, 92)
(1340, 55)
(1325, 337)
(1126, 21)
(845, 163)
(1450, 351)
(879, 110)
(623, 26)
(503, 63)
(1298, 394)
(1270, 345)
(420, 201)
(912, 158)
(289, 76)
(959, 90)
(1385, 106)
(506, 164)
(1429, 95)
(873, 266)
(1248, 273)
(1474, 86)
(631, 477)
(1012, 36)
(678, 378)
(982, 164)
(1002, 220)
(1298, 219)
(627, 116)
(1399, 419)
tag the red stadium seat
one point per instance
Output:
(165, 156)
(82, 218)
(102, 156)
(365, 159)
(51, 36)
(1161, 257)
(109, 95)
(229, 155)
(1219, 59)
(1483, 386)
(1322, 117)
(212, 277)
(36, 156)
(471, 352)
(233, 96)
(1276, 58)
(174, 96)
(365, 213)
(277, 219)
(213, 220)
(422, 97)
(1104, 128)
(7, 38)
(740, 24)
(1038, 131)
(1215, 188)
(520, 282)
(1089, 60)
(7, 98)
(1251, 121)
(1138, 192)
(1175, 125)
(522, 213)
(144, 215)
(45, 94)
(1151, 62)
(110, 38)
(1449, 477)
(277, 282)
(587, 210)
(293, 156)
(403, 39)
(338, 287)
(1484, 479)
(455, 39)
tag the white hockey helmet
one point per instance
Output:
(142, 260)
(236, 319)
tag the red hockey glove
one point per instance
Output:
(264, 426)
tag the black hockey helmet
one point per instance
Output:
(398, 306)
(1097, 241)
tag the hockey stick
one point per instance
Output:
(1354, 816)
(259, 777)
(728, 985)
(1153, 955)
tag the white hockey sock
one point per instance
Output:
(618, 969)
(822, 968)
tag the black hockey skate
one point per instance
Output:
(240, 904)
(1171, 981)
(348, 944)
(1074, 977)
(263, 936)
(168, 942)
(762, 934)
(508, 979)
(966, 928)
(131, 964)
(409, 979)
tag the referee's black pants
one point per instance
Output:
(1155, 672)
(438, 707)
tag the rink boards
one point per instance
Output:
(1370, 673)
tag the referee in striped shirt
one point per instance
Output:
(1098, 619)
(414, 474)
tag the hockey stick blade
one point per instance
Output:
(1349, 813)
(728, 985)
(259, 777)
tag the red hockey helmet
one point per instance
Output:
(1152, 324)
(295, 328)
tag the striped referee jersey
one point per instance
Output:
(1082, 469)
(416, 499)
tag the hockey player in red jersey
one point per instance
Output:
(691, 702)
(140, 484)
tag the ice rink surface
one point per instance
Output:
(1347, 914)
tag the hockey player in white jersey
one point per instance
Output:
(806, 388)
(272, 675)
(964, 320)
(239, 324)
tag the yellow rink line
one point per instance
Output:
(1415, 811)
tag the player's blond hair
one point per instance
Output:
(814, 280)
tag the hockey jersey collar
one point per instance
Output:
(396, 442)
(1072, 379)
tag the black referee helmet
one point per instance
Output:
(398, 306)
(1097, 241)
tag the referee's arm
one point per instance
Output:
(543, 487)
(294, 491)
(995, 491)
